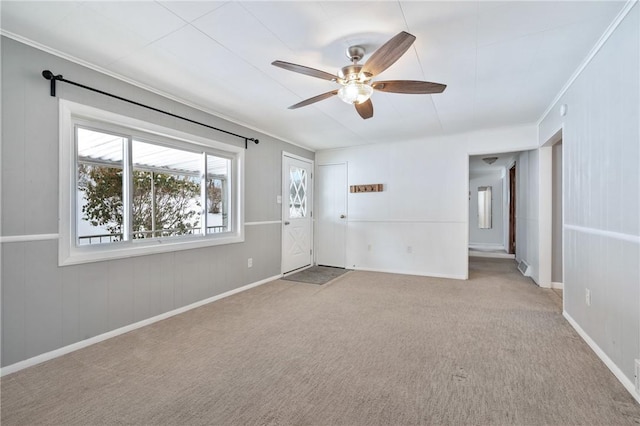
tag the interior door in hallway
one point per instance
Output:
(296, 213)
(511, 249)
(331, 215)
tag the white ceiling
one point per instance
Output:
(503, 62)
(478, 167)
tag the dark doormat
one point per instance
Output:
(316, 275)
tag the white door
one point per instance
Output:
(331, 217)
(296, 213)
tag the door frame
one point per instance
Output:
(545, 200)
(513, 176)
(285, 202)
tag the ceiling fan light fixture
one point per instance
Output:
(354, 79)
(354, 92)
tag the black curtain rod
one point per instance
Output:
(53, 78)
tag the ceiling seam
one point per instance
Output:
(195, 27)
(415, 51)
(147, 45)
(174, 13)
(260, 70)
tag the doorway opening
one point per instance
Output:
(492, 205)
(550, 216)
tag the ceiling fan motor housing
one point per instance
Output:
(354, 73)
(355, 53)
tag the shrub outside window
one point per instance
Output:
(138, 188)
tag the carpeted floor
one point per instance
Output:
(365, 349)
(316, 275)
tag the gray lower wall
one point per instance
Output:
(45, 307)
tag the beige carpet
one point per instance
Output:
(365, 349)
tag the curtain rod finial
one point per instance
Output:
(246, 142)
(50, 76)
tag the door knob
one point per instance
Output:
(342, 216)
(286, 223)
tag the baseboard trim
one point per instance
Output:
(626, 382)
(486, 246)
(473, 253)
(557, 286)
(420, 274)
(38, 359)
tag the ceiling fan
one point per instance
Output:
(355, 80)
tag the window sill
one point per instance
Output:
(110, 251)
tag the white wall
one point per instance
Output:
(424, 204)
(527, 210)
(494, 236)
(556, 221)
(601, 142)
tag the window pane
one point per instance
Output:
(99, 187)
(218, 186)
(143, 217)
(297, 193)
(166, 191)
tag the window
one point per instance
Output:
(132, 188)
(297, 193)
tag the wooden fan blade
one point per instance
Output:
(304, 70)
(409, 86)
(365, 109)
(314, 99)
(388, 53)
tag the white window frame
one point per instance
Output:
(70, 253)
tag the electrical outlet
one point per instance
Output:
(369, 247)
(638, 375)
(587, 297)
(249, 262)
(409, 249)
(279, 199)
